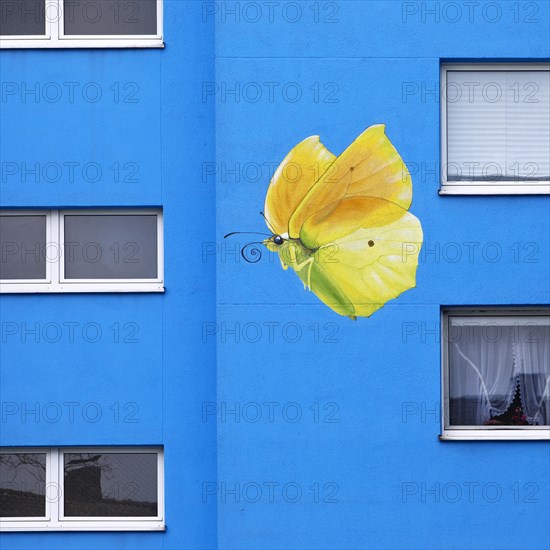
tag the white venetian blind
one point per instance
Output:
(498, 125)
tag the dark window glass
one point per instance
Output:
(111, 485)
(22, 17)
(111, 247)
(23, 247)
(22, 485)
(110, 17)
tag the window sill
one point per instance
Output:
(78, 288)
(12, 44)
(495, 189)
(496, 434)
(6, 526)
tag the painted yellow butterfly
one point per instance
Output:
(342, 223)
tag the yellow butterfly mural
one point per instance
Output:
(342, 223)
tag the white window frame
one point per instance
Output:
(490, 433)
(42, 522)
(510, 187)
(54, 519)
(55, 37)
(55, 281)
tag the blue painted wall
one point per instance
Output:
(359, 474)
(150, 116)
(330, 417)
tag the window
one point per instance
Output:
(80, 23)
(103, 489)
(495, 122)
(81, 250)
(496, 374)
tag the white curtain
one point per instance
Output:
(534, 376)
(488, 361)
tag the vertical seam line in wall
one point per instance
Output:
(161, 130)
(1, 205)
(161, 172)
(216, 272)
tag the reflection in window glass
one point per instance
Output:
(22, 485)
(111, 484)
(23, 242)
(22, 18)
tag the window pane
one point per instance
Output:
(23, 485)
(498, 125)
(23, 241)
(110, 246)
(22, 17)
(110, 17)
(111, 484)
(499, 371)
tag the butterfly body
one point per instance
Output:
(293, 253)
(344, 227)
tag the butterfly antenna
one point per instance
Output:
(251, 252)
(246, 233)
(268, 224)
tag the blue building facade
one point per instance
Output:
(283, 424)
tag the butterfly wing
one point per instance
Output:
(369, 167)
(294, 177)
(366, 254)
